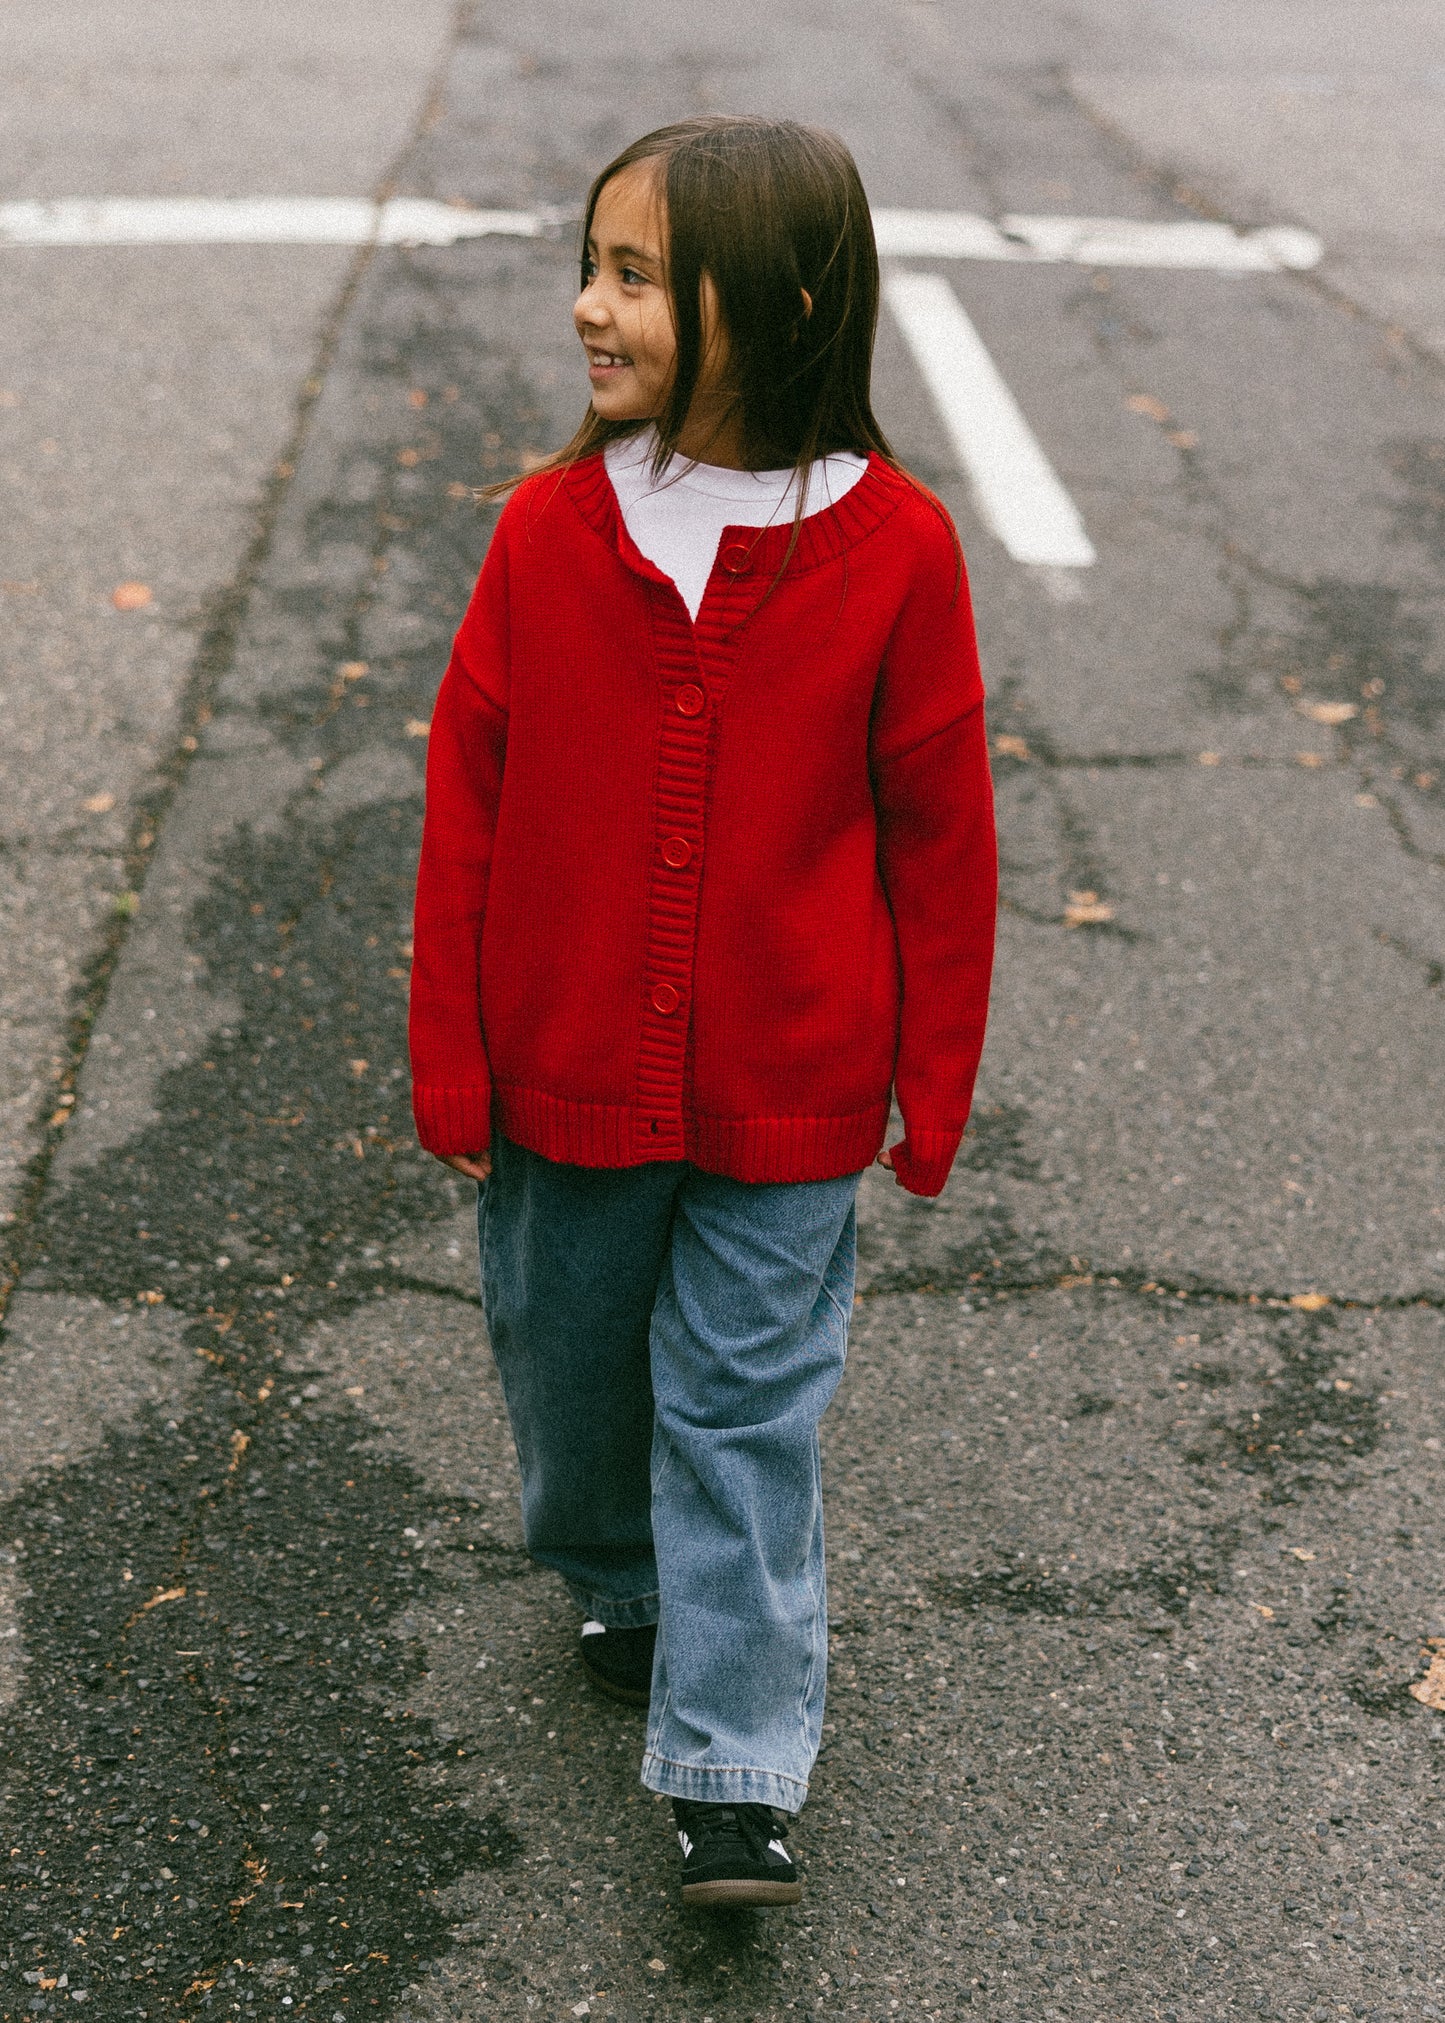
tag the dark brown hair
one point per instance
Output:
(767, 208)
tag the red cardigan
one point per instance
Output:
(708, 891)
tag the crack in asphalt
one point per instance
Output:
(1079, 1275)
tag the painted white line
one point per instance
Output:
(420, 221)
(254, 221)
(943, 235)
(1014, 485)
(1095, 242)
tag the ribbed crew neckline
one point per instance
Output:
(720, 481)
(821, 538)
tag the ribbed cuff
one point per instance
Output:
(923, 1160)
(452, 1121)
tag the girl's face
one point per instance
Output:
(624, 319)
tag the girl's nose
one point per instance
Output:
(587, 313)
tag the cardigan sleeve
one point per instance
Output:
(937, 858)
(466, 752)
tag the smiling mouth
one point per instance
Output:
(607, 358)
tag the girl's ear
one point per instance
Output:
(807, 302)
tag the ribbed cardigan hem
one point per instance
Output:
(459, 1120)
(742, 1148)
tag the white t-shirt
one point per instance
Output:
(677, 520)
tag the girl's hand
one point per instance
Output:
(475, 1165)
(885, 1158)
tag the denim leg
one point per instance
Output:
(571, 1258)
(749, 1336)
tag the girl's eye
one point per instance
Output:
(632, 279)
(589, 271)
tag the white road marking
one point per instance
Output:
(1095, 242)
(256, 221)
(1014, 485)
(420, 221)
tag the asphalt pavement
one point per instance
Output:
(1134, 1483)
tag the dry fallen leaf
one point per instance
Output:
(131, 596)
(418, 727)
(1310, 759)
(1182, 438)
(1328, 712)
(1263, 1609)
(359, 1067)
(1309, 1302)
(352, 670)
(1086, 909)
(1430, 1691)
(239, 1443)
(99, 804)
(1012, 747)
(170, 1594)
(1209, 758)
(1145, 403)
(417, 397)
(150, 1299)
(410, 458)
(1299, 1552)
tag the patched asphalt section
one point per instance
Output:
(213, 1780)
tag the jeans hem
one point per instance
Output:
(617, 1615)
(733, 1786)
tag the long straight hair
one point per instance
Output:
(766, 208)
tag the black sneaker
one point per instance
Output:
(734, 1854)
(620, 1661)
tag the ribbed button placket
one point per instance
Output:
(693, 662)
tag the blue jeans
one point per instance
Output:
(668, 1340)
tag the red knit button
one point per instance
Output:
(690, 699)
(665, 998)
(735, 558)
(676, 851)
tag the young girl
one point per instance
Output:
(708, 872)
